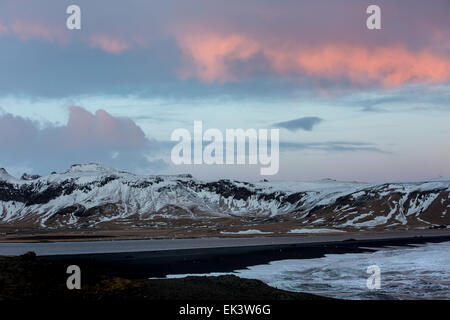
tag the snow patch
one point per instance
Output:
(251, 231)
(321, 230)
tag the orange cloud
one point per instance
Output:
(109, 44)
(212, 54)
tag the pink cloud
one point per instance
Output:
(390, 66)
(16, 131)
(85, 129)
(26, 31)
(108, 43)
(3, 29)
(86, 137)
(210, 55)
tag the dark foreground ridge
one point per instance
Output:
(28, 278)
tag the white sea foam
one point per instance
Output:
(406, 273)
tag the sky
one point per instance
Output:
(350, 103)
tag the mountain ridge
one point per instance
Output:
(93, 195)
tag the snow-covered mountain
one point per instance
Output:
(91, 195)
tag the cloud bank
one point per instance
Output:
(313, 43)
(86, 137)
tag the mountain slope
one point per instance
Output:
(94, 195)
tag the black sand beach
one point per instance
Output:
(160, 263)
(26, 278)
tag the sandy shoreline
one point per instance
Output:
(85, 245)
(72, 235)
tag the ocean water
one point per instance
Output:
(406, 273)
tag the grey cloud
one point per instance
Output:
(331, 146)
(305, 123)
(407, 99)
